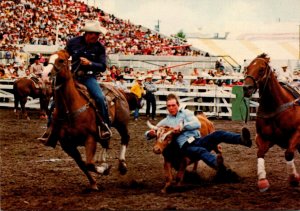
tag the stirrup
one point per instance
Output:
(106, 133)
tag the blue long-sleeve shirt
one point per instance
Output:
(150, 86)
(77, 47)
(190, 125)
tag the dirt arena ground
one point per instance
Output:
(34, 177)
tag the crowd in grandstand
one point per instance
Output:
(52, 22)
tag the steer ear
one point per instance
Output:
(151, 126)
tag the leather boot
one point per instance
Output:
(246, 137)
(104, 131)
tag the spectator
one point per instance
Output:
(138, 90)
(150, 89)
(211, 73)
(121, 84)
(37, 68)
(108, 78)
(163, 80)
(195, 72)
(181, 83)
(211, 83)
(2, 74)
(284, 75)
(21, 71)
(200, 81)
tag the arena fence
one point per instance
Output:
(215, 101)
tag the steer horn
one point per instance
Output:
(154, 127)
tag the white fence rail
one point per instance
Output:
(213, 100)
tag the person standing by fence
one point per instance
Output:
(150, 88)
(138, 90)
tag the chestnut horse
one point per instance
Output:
(77, 118)
(277, 119)
(24, 87)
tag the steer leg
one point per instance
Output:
(180, 174)
(168, 176)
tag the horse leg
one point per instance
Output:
(90, 149)
(43, 109)
(73, 152)
(23, 109)
(123, 131)
(263, 147)
(294, 177)
(16, 102)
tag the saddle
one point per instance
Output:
(39, 84)
(294, 90)
(84, 92)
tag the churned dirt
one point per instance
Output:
(34, 177)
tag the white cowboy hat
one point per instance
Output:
(140, 78)
(93, 26)
(149, 76)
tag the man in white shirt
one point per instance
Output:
(284, 75)
(37, 68)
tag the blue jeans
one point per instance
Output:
(200, 148)
(136, 111)
(96, 93)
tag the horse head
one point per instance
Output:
(60, 67)
(257, 74)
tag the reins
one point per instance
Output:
(74, 114)
(280, 109)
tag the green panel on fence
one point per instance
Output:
(239, 104)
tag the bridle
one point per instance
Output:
(66, 63)
(266, 76)
(59, 69)
(268, 71)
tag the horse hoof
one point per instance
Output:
(263, 185)
(122, 167)
(164, 190)
(94, 187)
(294, 180)
(107, 171)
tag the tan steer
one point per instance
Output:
(172, 159)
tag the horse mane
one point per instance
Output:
(264, 56)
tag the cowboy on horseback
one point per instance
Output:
(36, 69)
(88, 60)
